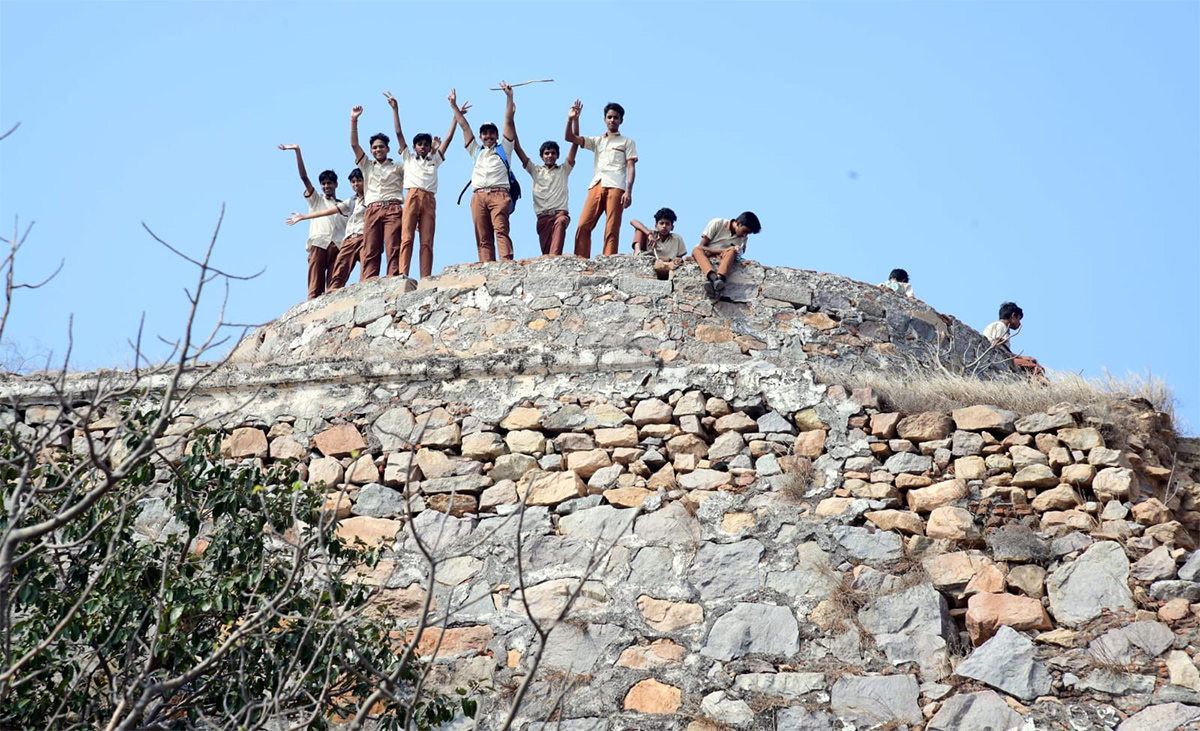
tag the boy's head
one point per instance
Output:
(380, 146)
(356, 181)
(899, 275)
(1011, 314)
(549, 153)
(423, 143)
(614, 115)
(328, 180)
(664, 221)
(488, 134)
(746, 224)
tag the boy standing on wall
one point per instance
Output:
(491, 201)
(611, 189)
(724, 238)
(323, 233)
(420, 205)
(384, 194)
(550, 184)
(351, 247)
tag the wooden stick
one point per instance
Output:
(523, 83)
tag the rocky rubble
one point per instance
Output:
(752, 549)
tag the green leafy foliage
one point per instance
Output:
(241, 612)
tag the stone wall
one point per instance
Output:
(784, 553)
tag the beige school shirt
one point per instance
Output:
(997, 333)
(489, 168)
(612, 153)
(382, 181)
(325, 230)
(549, 186)
(720, 237)
(671, 247)
(421, 172)
(354, 208)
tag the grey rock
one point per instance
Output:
(928, 652)
(726, 446)
(1116, 645)
(753, 628)
(1165, 591)
(1007, 663)
(726, 571)
(1017, 543)
(513, 466)
(908, 462)
(799, 718)
(574, 505)
(982, 711)
(874, 700)
(1038, 423)
(653, 567)
(966, 443)
(864, 545)
(378, 501)
(1070, 543)
(918, 609)
(573, 724)
(1116, 683)
(394, 428)
(550, 463)
(1190, 568)
(1154, 566)
(578, 649)
(460, 484)
(672, 525)
(605, 478)
(1098, 579)
(780, 685)
(726, 711)
(1160, 717)
(437, 530)
(604, 523)
(774, 422)
(767, 465)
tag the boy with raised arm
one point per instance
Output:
(726, 239)
(383, 192)
(550, 185)
(611, 189)
(323, 233)
(491, 200)
(666, 245)
(351, 248)
(421, 162)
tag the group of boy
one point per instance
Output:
(384, 220)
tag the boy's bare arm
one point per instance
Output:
(460, 116)
(520, 151)
(572, 133)
(641, 227)
(630, 173)
(296, 218)
(510, 112)
(445, 145)
(308, 186)
(355, 113)
(401, 145)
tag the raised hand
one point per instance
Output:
(391, 100)
(506, 88)
(289, 147)
(464, 107)
(294, 219)
(453, 97)
(576, 110)
(437, 143)
(356, 112)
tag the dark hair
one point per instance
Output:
(355, 174)
(422, 137)
(899, 275)
(616, 108)
(381, 136)
(665, 214)
(1008, 309)
(327, 175)
(548, 145)
(488, 126)
(750, 221)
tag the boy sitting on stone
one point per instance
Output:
(668, 248)
(898, 282)
(726, 239)
(999, 334)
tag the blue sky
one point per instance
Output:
(1042, 152)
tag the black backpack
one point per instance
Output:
(514, 188)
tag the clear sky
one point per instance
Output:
(1042, 152)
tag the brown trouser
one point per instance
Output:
(381, 229)
(420, 211)
(728, 257)
(552, 231)
(489, 209)
(349, 252)
(320, 268)
(600, 200)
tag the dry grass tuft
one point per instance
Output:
(918, 389)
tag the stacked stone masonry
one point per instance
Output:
(784, 553)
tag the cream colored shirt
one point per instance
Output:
(720, 237)
(354, 208)
(384, 181)
(903, 288)
(671, 247)
(997, 333)
(421, 172)
(489, 168)
(549, 186)
(612, 152)
(325, 230)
